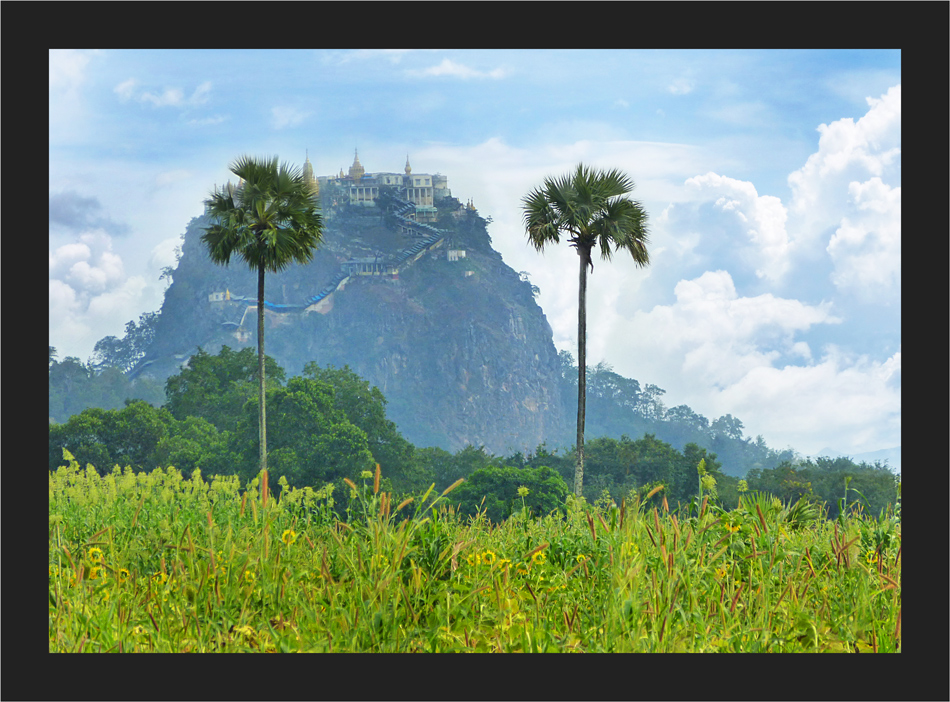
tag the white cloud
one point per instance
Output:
(841, 400)
(169, 97)
(122, 302)
(287, 117)
(90, 295)
(680, 86)
(762, 216)
(88, 266)
(67, 68)
(866, 248)
(718, 335)
(200, 96)
(338, 58)
(723, 353)
(126, 89)
(847, 151)
(163, 254)
(457, 70)
(61, 260)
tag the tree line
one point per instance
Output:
(329, 424)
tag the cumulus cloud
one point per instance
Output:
(763, 218)
(847, 151)
(844, 203)
(89, 266)
(724, 353)
(866, 248)
(718, 335)
(90, 295)
(842, 399)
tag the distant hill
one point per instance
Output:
(427, 312)
(891, 455)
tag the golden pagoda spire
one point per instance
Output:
(356, 170)
(308, 176)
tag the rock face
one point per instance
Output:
(455, 341)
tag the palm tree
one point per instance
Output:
(269, 220)
(589, 207)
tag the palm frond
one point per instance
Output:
(590, 207)
(271, 218)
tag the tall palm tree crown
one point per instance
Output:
(270, 220)
(589, 207)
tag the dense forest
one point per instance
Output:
(329, 424)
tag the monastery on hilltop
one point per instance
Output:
(421, 189)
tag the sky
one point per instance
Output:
(772, 181)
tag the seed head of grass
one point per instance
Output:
(451, 487)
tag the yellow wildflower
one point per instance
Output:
(539, 558)
(488, 557)
(95, 554)
(289, 536)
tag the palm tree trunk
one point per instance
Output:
(262, 414)
(584, 255)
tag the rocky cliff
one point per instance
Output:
(450, 333)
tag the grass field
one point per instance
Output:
(160, 562)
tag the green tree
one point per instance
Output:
(499, 488)
(124, 353)
(216, 387)
(269, 220)
(591, 208)
(365, 407)
(108, 437)
(311, 440)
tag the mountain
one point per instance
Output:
(891, 455)
(427, 312)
